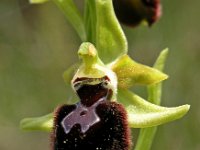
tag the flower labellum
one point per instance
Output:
(133, 12)
(95, 122)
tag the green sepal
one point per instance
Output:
(110, 39)
(44, 123)
(37, 1)
(130, 73)
(142, 114)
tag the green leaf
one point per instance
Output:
(130, 73)
(110, 39)
(142, 114)
(146, 135)
(73, 15)
(44, 123)
(37, 1)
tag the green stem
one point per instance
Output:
(73, 15)
(145, 139)
(147, 135)
(90, 20)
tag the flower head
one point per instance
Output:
(133, 12)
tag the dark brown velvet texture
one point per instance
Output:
(111, 133)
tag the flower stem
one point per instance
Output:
(73, 15)
(90, 20)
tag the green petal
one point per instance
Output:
(37, 1)
(130, 73)
(44, 123)
(110, 39)
(142, 114)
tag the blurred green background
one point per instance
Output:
(37, 45)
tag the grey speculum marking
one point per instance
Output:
(92, 92)
(85, 116)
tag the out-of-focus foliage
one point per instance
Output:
(37, 45)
